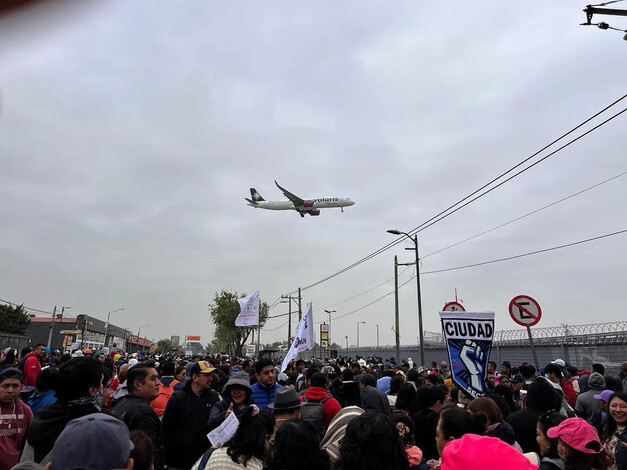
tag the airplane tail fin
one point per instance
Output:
(255, 196)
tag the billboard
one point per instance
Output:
(176, 341)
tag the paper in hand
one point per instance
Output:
(223, 433)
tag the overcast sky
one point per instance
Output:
(130, 133)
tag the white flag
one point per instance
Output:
(303, 339)
(249, 310)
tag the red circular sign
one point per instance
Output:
(453, 307)
(525, 310)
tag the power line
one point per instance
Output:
(26, 308)
(432, 219)
(526, 215)
(509, 258)
(424, 226)
(366, 291)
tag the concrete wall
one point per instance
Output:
(610, 355)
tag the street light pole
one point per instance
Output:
(397, 332)
(377, 335)
(106, 338)
(358, 323)
(138, 336)
(414, 239)
(346, 346)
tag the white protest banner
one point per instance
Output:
(249, 310)
(303, 339)
(468, 338)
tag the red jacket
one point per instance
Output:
(31, 367)
(331, 406)
(569, 393)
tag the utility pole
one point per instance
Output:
(421, 332)
(54, 314)
(300, 308)
(396, 315)
(289, 319)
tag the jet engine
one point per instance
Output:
(308, 203)
(314, 212)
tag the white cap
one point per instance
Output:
(132, 362)
(559, 362)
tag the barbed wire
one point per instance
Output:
(563, 334)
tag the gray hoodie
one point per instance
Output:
(589, 407)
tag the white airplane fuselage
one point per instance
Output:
(318, 203)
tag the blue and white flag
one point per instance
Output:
(468, 337)
(249, 310)
(303, 339)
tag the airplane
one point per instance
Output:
(302, 206)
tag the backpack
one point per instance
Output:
(165, 392)
(312, 411)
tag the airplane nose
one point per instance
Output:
(352, 203)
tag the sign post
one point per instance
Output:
(526, 311)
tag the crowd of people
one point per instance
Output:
(106, 410)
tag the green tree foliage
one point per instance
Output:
(223, 312)
(13, 319)
(164, 346)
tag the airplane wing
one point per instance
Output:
(298, 202)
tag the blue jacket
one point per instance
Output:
(262, 395)
(37, 401)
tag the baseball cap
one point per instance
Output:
(97, 441)
(559, 362)
(474, 451)
(578, 434)
(604, 395)
(202, 367)
(517, 379)
(11, 373)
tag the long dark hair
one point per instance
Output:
(546, 421)
(255, 426)
(298, 438)
(407, 398)
(455, 422)
(610, 425)
(577, 460)
(372, 443)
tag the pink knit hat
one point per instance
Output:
(578, 434)
(473, 451)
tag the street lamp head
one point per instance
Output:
(394, 232)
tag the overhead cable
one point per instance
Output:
(443, 214)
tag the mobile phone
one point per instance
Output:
(621, 437)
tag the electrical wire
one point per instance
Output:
(366, 291)
(525, 215)
(499, 260)
(509, 258)
(26, 308)
(433, 220)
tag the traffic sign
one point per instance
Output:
(525, 310)
(453, 307)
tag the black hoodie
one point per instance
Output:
(541, 397)
(50, 421)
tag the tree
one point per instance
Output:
(13, 319)
(223, 312)
(164, 346)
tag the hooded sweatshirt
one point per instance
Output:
(589, 407)
(331, 406)
(48, 423)
(541, 397)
